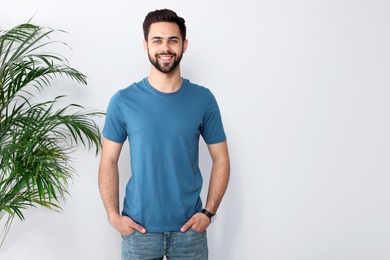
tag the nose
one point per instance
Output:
(165, 47)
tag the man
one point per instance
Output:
(163, 116)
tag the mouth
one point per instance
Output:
(165, 58)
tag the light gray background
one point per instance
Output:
(304, 91)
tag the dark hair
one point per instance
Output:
(163, 15)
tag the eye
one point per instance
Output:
(157, 41)
(173, 41)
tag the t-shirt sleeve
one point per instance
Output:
(212, 130)
(114, 127)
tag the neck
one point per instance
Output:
(165, 82)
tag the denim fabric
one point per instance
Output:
(190, 245)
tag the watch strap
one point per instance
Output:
(207, 213)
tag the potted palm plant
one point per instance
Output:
(37, 138)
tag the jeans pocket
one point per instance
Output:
(197, 232)
(128, 235)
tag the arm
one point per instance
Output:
(219, 179)
(109, 188)
(220, 174)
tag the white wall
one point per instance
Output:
(304, 91)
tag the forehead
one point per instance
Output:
(164, 29)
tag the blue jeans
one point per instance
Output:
(190, 245)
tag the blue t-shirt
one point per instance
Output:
(163, 131)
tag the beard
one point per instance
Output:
(165, 67)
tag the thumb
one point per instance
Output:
(139, 228)
(187, 225)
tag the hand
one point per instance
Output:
(125, 225)
(198, 222)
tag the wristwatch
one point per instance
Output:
(212, 216)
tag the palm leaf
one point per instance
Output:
(36, 138)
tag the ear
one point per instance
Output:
(185, 45)
(145, 43)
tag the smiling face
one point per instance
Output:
(165, 46)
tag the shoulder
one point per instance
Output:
(134, 87)
(198, 89)
(129, 91)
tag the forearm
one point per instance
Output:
(219, 180)
(109, 188)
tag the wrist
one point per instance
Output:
(210, 215)
(113, 217)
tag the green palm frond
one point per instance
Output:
(37, 139)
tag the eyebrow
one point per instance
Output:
(162, 38)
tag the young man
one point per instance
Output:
(163, 116)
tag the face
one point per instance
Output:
(165, 47)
